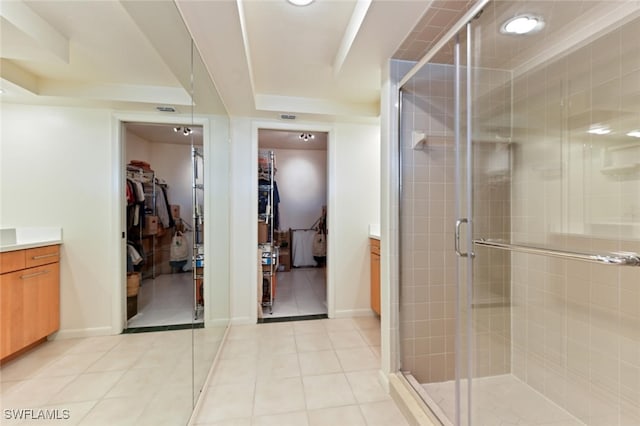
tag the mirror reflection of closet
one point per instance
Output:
(196, 157)
(160, 229)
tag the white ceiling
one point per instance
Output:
(283, 139)
(320, 61)
(266, 57)
(165, 133)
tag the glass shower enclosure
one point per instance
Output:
(519, 220)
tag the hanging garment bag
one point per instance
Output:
(179, 248)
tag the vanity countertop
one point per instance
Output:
(374, 231)
(24, 238)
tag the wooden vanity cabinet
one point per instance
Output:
(375, 274)
(29, 297)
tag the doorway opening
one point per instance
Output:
(292, 224)
(165, 247)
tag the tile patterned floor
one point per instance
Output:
(303, 373)
(128, 379)
(300, 291)
(165, 300)
(322, 372)
(502, 400)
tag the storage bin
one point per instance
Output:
(150, 225)
(262, 232)
(132, 306)
(133, 283)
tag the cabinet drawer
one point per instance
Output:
(375, 246)
(42, 256)
(30, 307)
(12, 261)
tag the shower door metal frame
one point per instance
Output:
(464, 215)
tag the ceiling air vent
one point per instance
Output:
(287, 116)
(166, 108)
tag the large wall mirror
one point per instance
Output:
(86, 88)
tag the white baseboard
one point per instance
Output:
(242, 321)
(217, 323)
(384, 380)
(83, 332)
(351, 313)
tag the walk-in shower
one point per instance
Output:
(519, 218)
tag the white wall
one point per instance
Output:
(56, 170)
(59, 167)
(302, 185)
(354, 203)
(137, 148)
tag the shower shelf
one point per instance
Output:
(615, 162)
(621, 169)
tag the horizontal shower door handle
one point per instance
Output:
(611, 258)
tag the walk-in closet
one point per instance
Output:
(292, 224)
(165, 255)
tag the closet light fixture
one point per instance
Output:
(300, 2)
(185, 131)
(306, 137)
(522, 24)
(634, 134)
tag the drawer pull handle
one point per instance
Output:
(35, 274)
(44, 256)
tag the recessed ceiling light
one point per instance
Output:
(300, 2)
(634, 134)
(522, 24)
(598, 129)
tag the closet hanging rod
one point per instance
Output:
(610, 258)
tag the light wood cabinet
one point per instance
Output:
(375, 275)
(29, 298)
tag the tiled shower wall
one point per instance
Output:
(427, 260)
(427, 220)
(576, 326)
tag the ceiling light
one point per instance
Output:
(185, 131)
(300, 2)
(634, 134)
(598, 129)
(523, 24)
(306, 137)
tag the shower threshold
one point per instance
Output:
(497, 400)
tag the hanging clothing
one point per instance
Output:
(162, 208)
(264, 192)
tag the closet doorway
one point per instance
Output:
(163, 224)
(292, 224)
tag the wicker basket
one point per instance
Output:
(133, 283)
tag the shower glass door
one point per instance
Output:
(553, 185)
(520, 219)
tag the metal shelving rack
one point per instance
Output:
(270, 255)
(197, 159)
